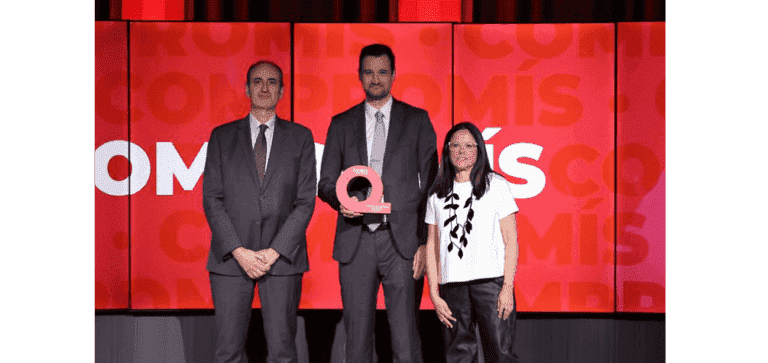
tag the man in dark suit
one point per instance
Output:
(398, 141)
(258, 195)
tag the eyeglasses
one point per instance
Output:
(456, 146)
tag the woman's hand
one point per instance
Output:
(442, 310)
(506, 302)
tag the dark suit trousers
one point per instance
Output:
(232, 299)
(474, 303)
(376, 261)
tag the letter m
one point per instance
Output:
(559, 236)
(169, 163)
(493, 98)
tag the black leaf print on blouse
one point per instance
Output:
(466, 227)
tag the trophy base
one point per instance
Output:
(379, 208)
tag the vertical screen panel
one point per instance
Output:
(541, 95)
(326, 60)
(111, 166)
(640, 262)
(186, 79)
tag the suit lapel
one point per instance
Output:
(396, 121)
(247, 149)
(277, 151)
(359, 129)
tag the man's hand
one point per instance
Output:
(348, 213)
(249, 261)
(267, 256)
(419, 262)
(506, 301)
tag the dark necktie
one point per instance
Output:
(260, 149)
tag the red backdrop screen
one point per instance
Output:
(543, 95)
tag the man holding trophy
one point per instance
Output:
(398, 142)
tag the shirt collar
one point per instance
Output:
(255, 123)
(386, 109)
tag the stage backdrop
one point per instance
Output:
(543, 95)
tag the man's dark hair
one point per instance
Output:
(377, 50)
(257, 65)
(480, 176)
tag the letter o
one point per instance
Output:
(159, 89)
(651, 170)
(140, 168)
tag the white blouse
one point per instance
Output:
(471, 244)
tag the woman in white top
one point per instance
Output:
(472, 250)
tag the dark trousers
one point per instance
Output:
(474, 303)
(377, 261)
(232, 300)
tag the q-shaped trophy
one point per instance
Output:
(371, 204)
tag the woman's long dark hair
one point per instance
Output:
(481, 171)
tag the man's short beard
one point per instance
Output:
(372, 97)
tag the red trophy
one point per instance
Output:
(377, 189)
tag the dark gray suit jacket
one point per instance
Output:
(242, 212)
(410, 164)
